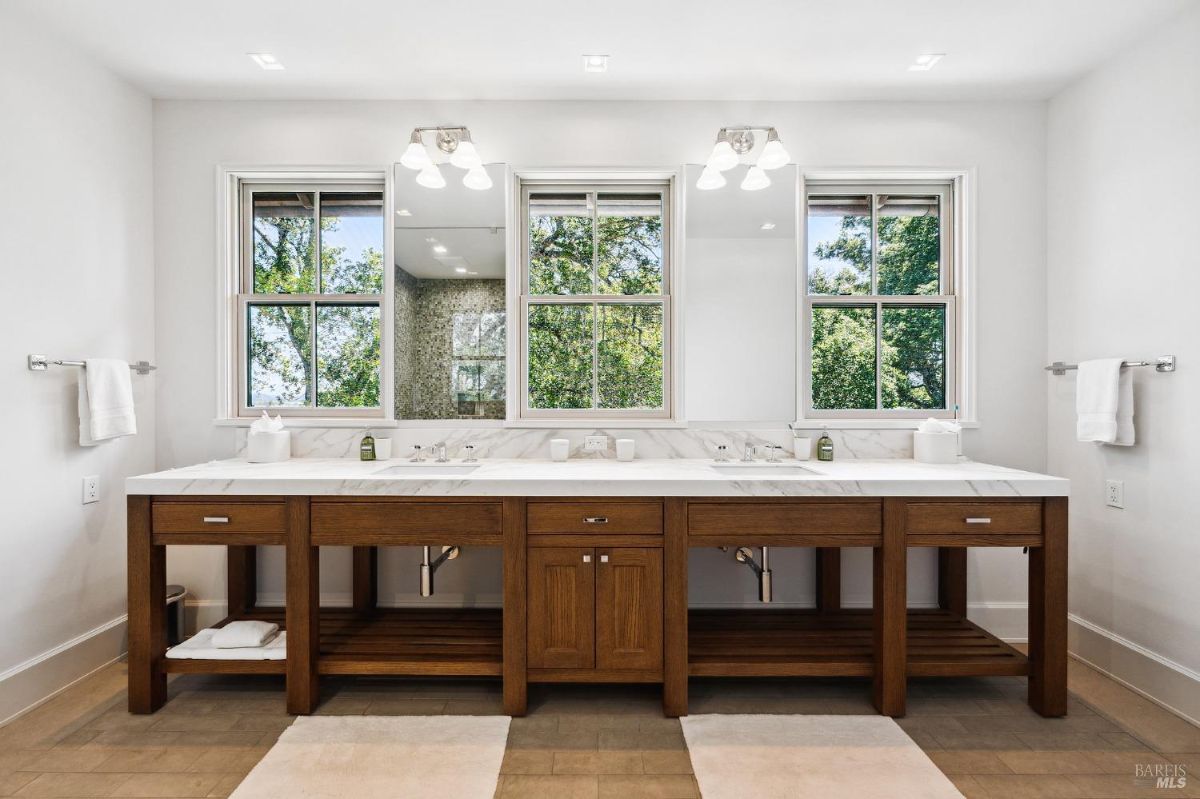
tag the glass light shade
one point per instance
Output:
(415, 156)
(722, 157)
(465, 156)
(710, 179)
(477, 179)
(773, 155)
(755, 179)
(431, 177)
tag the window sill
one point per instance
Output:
(598, 424)
(871, 424)
(313, 421)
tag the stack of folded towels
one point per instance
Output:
(237, 640)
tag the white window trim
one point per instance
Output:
(672, 416)
(229, 304)
(963, 252)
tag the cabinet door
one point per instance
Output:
(562, 612)
(629, 608)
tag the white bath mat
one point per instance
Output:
(397, 757)
(817, 757)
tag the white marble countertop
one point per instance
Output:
(597, 477)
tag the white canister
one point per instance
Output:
(935, 447)
(802, 448)
(559, 449)
(268, 446)
(625, 448)
(383, 449)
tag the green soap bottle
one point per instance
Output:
(824, 447)
(366, 449)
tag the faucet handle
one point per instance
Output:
(722, 455)
(470, 449)
(418, 455)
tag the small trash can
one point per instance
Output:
(175, 595)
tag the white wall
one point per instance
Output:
(1123, 206)
(76, 223)
(1004, 141)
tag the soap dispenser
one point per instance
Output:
(366, 449)
(824, 446)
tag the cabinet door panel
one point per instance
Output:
(561, 620)
(629, 608)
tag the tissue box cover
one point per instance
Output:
(268, 447)
(935, 447)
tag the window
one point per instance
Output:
(596, 305)
(879, 309)
(311, 283)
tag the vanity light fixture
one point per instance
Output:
(455, 142)
(595, 63)
(462, 270)
(732, 144)
(266, 61)
(925, 62)
(403, 212)
(767, 226)
(440, 249)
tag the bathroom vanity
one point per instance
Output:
(595, 571)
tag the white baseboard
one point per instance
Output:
(1164, 682)
(41, 678)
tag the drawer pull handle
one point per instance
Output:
(978, 520)
(604, 558)
(587, 558)
(595, 520)
(216, 520)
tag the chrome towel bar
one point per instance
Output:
(1163, 363)
(39, 363)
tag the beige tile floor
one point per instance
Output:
(607, 741)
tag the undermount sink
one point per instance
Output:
(429, 469)
(761, 469)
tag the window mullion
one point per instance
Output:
(312, 344)
(878, 356)
(595, 356)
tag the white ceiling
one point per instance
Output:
(662, 49)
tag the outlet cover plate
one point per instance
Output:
(91, 489)
(1114, 493)
(595, 444)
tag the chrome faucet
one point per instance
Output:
(773, 451)
(439, 452)
(470, 450)
(418, 454)
(748, 453)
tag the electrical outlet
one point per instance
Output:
(91, 489)
(1114, 493)
(595, 444)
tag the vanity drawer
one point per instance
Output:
(849, 518)
(601, 517)
(983, 518)
(218, 517)
(400, 522)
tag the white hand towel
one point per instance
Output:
(1104, 402)
(105, 401)
(244, 634)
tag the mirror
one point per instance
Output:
(449, 298)
(741, 249)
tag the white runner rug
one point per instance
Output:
(397, 757)
(798, 757)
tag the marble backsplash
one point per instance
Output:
(502, 442)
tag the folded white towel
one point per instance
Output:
(105, 401)
(244, 634)
(200, 647)
(1104, 402)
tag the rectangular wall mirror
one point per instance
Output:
(449, 348)
(741, 252)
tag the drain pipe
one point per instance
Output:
(428, 568)
(746, 555)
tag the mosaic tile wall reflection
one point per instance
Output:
(449, 354)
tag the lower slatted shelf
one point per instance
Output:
(810, 643)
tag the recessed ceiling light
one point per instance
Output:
(265, 60)
(925, 62)
(767, 226)
(595, 63)
(440, 249)
(403, 212)
(460, 270)
(430, 240)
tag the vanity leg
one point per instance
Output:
(303, 610)
(365, 581)
(675, 619)
(890, 631)
(829, 578)
(513, 618)
(1048, 613)
(952, 580)
(241, 578)
(147, 600)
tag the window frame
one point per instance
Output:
(951, 280)
(235, 187)
(665, 185)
